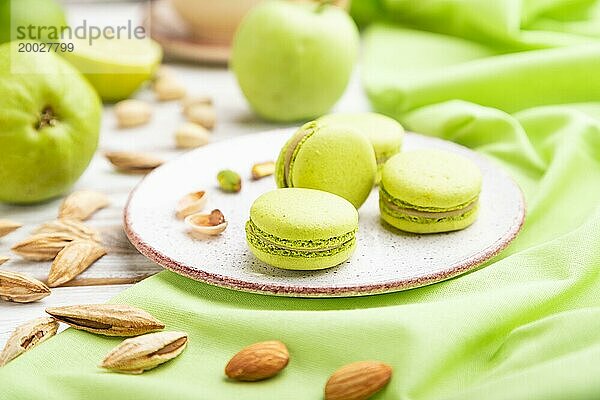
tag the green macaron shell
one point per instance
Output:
(431, 180)
(296, 228)
(384, 133)
(303, 214)
(334, 159)
(429, 191)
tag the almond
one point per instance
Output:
(258, 361)
(358, 381)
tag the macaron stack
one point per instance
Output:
(326, 171)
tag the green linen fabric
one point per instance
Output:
(507, 25)
(524, 327)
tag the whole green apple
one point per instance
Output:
(45, 14)
(293, 60)
(49, 125)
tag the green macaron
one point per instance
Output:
(302, 229)
(385, 133)
(334, 159)
(428, 191)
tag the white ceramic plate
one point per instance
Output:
(385, 260)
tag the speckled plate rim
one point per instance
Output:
(462, 267)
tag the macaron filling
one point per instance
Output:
(382, 158)
(298, 248)
(389, 199)
(292, 151)
(400, 209)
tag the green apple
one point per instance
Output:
(49, 125)
(45, 14)
(116, 68)
(293, 60)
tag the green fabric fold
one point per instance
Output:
(508, 25)
(524, 327)
(510, 82)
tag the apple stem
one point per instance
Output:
(325, 3)
(47, 118)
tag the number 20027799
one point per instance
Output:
(36, 47)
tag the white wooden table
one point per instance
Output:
(123, 265)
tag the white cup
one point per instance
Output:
(213, 21)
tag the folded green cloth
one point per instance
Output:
(406, 69)
(524, 327)
(507, 25)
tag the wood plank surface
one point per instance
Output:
(123, 265)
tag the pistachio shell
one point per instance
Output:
(191, 135)
(201, 114)
(168, 88)
(163, 72)
(190, 101)
(211, 224)
(191, 203)
(133, 162)
(130, 113)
